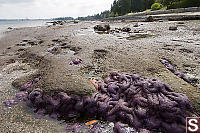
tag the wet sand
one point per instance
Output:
(101, 53)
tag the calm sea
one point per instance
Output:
(4, 24)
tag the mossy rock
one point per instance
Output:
(58, 76)
(72, 85)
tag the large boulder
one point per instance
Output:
(57, 75)
(105, 27)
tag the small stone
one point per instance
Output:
(180, 22)
(75, 21)
(26, 40)
(136, 25)
(123, 20)
(126, 29)
(136, 31)
(55, 50)
(173, 28)
(149, 19)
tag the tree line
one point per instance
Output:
(104, 14)
(122, 7)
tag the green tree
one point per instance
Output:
(115, 7)
(125, 6)
(112, 14)
(149, 3)
(137, 5)
(168, 3)
(156, 6)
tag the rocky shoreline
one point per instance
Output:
(47, 52)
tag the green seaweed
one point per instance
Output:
(138, 36)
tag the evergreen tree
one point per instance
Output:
(148, 3)
(137, 5)
(115, 7)
(125, 6)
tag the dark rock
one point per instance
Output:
(136, 31)
(173, 28)
(55, 50)
(11, 61)
(126, 29)
(123, 20)
(59, 22)
(136, 25)
(149, 19)
(181, 23)
(76, 21)
(105, 27)
(32, 43)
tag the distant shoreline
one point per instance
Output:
(16, 23)
(25, 19)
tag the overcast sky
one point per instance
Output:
(51, 8)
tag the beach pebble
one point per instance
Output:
(136, 25)
(173, 28)
(149, 19)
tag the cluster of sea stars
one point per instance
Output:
(172, 69)
(125, 99)
(144, 103)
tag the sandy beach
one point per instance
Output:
(47, 51)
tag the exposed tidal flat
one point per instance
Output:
(48, 50)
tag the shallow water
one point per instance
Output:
(5, 24)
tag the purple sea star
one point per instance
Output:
(119, 106)
(76, 61)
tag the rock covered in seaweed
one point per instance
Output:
(105, 27)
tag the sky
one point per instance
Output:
(20, 9)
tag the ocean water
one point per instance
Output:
(4, 24)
